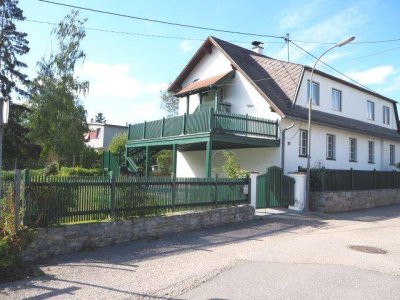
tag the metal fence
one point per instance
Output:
(56, 200)
(342, 180)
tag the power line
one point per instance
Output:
(160, 21)
(371, 54)
(332, 68)
(353, 43)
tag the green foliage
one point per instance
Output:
(164, 162)
(169, 103)
(398, 165)
(99, 118)
(78, 171)
(58, 119)
(231, 166)
(51, 169)
(118, 142)
(89, 158)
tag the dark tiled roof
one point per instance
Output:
(340, 122)
(201, 84)
(278, 82)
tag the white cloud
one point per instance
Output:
(376, 75)
(115, 91)
(186, 45)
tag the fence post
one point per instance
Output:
(184, 124)
(144, 130)
(323, 176)
(173, 192)
(216, 191)
(162, 127)
(17, 185)
(393, 179)
(352, 178)
(374, 178)
(247, 123)
(112, 194)
(25, 189)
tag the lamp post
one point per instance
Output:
(310, 90)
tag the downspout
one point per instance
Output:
(283, 146)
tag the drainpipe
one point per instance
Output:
(283, 146)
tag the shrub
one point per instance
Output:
(78, 171)
(51, 169)
(231, 166)
(89, 158)
(118, 142)
(164, 162)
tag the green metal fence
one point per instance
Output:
(342, 180)
(205, 121)
(54, 200)
(111, 162)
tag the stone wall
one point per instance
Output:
(341, 201)
(73, 238)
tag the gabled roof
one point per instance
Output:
(278, 82)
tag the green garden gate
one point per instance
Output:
(274, 189)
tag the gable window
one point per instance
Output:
(303, 140)
(330, 146)
(353, 150)
(370, 110)
(392, 154)
(371, 152)
(315, 92)
(336, 100)
(386, 115)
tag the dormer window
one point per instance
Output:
(386, 115)
(370, 110)
(315, 92)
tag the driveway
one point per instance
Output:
(281, 256)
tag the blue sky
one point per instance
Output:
(126, 72)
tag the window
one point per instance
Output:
(371, 152)
(315, 92)
(303, 143)
(370, 110)
(386, 115)
(392, 154)
(336, 100)
(330, 146)
(353, 150)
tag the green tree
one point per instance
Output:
(169, 103)
(99, 118)
(58, 119)
(13, 44)
(117, 143)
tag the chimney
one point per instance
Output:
(257, 47)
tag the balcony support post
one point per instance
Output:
(216, 100)
(147, 162)
(208, 158)
(187, 104)
(174, 161)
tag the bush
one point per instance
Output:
(78, 171)
(118, 142)
(89, 158)
(164, 162)
(232, 166)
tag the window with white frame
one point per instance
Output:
(392, 154)
(353, 150)
(336, 100)
(330, 146)
(386, 115)
(371, 152)
(370, 110)
(303, 140)
(315, 92)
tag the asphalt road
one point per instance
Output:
(280, 257)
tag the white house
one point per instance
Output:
(352, 127)
(100, 134)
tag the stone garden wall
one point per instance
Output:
(73, 238)
(341, 201)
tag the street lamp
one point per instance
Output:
(310, 90)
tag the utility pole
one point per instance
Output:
(287, 40)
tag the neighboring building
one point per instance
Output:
(237, 99)
(100, 134)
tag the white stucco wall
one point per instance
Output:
(239, 92)
(318, 149)
(107, 132)
(192, 163)
(354, 102)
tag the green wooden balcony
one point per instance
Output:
(205, 122)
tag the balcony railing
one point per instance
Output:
(204, 122)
